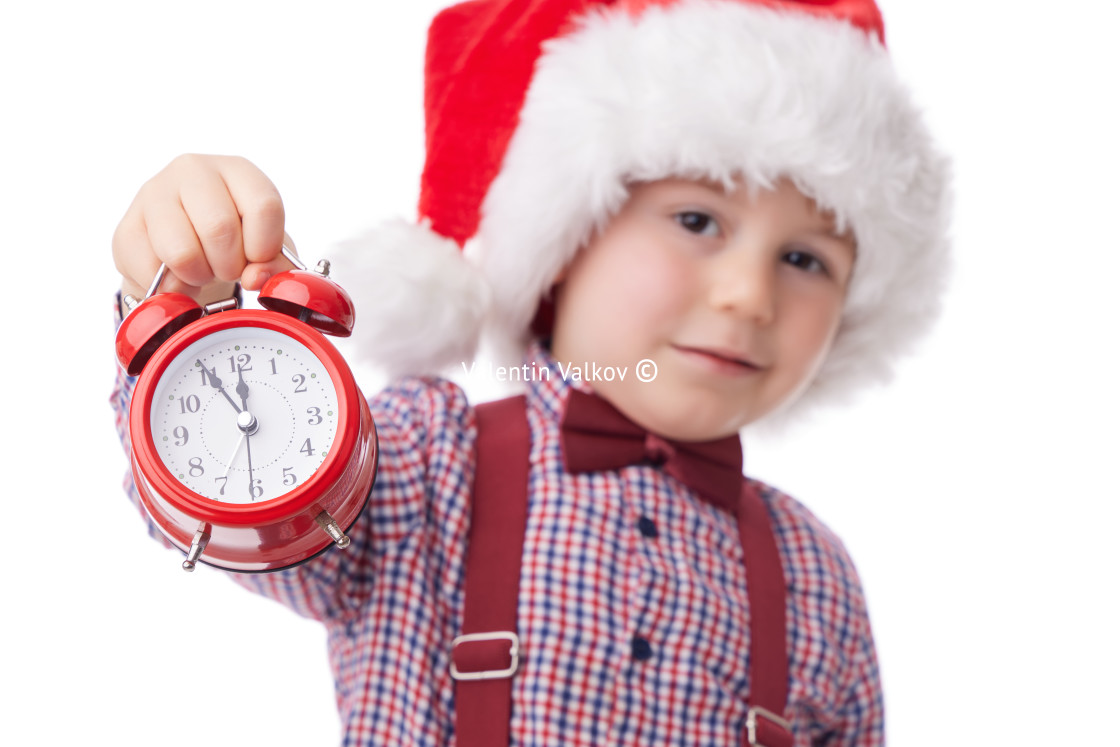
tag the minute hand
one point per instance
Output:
(212, 378)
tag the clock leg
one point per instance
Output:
(330, 526)
(201, 538)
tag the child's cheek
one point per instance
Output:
(653, 281)
(627, 291)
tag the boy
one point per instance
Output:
(738, 192)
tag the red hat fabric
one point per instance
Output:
(480, 61)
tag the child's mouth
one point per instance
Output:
(720, 360)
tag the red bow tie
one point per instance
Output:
(596, 437)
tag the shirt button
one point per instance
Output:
(641, 649)
(647, 527)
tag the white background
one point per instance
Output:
(978, 494)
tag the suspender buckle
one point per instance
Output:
(763, 723)
(485, 656)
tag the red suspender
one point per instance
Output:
(486, 656)
(766, 600)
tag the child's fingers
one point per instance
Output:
(259, 206)
(212, 218)
(207, 218)
(133, 255)
(256, 274)
(137, 260)
(173, 241)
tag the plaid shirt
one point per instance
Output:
(633, 606)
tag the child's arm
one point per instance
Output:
(213, 220)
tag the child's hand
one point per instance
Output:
(213, 219)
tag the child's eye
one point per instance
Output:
(698, 223)
(804, 261)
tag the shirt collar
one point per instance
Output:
(548, 388)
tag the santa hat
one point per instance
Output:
(540, 112)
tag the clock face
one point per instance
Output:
(244, 415)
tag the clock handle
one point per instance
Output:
(291, 257)
(131, 302)
(323, 268)
(156, 281)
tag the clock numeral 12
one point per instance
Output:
(242, 362)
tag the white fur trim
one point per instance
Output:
(419, 304)
(723, 89)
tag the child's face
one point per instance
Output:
(736, 299)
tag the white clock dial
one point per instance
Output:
(244, 415)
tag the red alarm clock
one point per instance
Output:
(253, 448)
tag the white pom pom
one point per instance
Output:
(419, 303)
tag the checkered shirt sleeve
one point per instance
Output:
(632, 613)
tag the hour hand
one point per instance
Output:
(242, 389)
(213, 380)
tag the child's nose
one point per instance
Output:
(743, 284)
